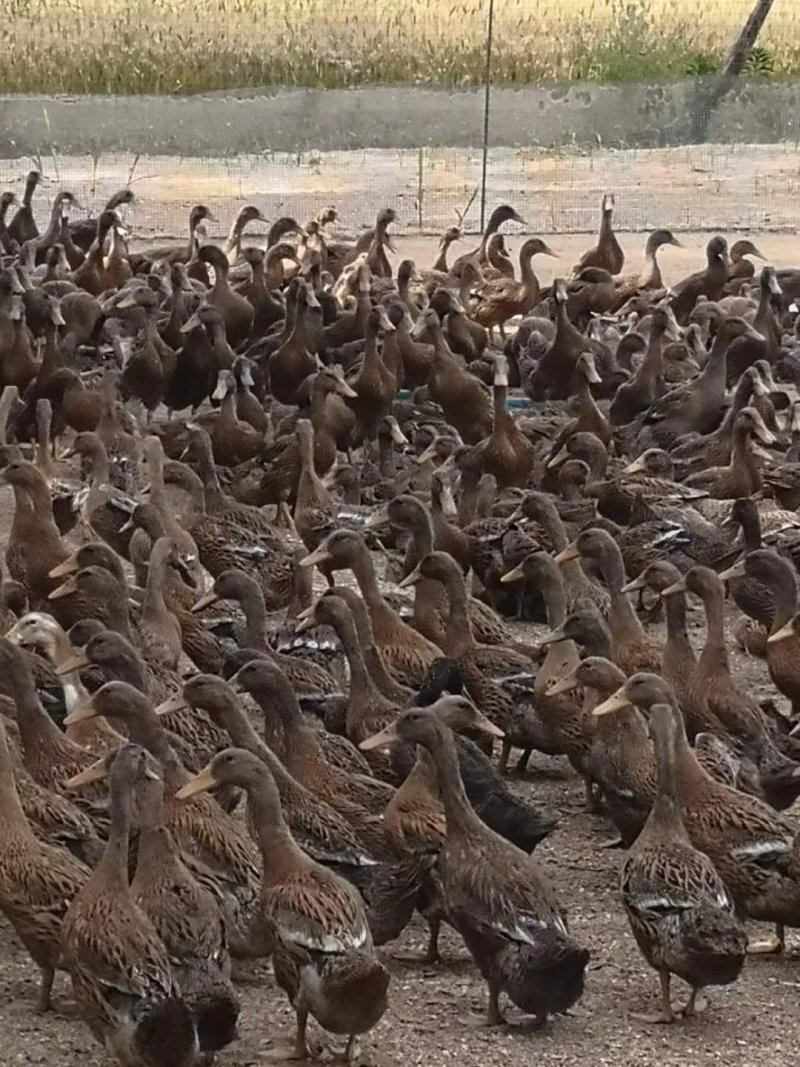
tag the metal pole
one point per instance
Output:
(486, 102)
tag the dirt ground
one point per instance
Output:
(435, 1015)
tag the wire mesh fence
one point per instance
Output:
(585, 96)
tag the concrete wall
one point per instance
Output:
(402, 118)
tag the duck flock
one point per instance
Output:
(276, 513)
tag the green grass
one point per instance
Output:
(169, 46)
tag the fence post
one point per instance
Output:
(486, 104)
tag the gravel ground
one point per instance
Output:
(436, 1014)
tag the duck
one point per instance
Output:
(465, 400)
(504, 298)
(110, 943)
(696, 406)
(633, 650)
(709, 283)
(312, 922)
(500, 215)
(321, 831)
(741, 477)
(22, 227)
(678, 907)
(415, 828)
(235, 584)
(765, 568)
(649, 279)
(751, 845)
(678, 660)
(357, 796)
(38, 880)
(203, 829)
(716, 697)
(496, 896)
(407, 654)
(292, 362)
(506, 453)
(647, 385)
(607, 253)
(552, 376)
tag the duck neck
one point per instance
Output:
(675, 611)
(278, 849)
(712, 377)
(650, 277)
(665, 815)
(622, 619)
(364, 694)
(458, 635)
(750, 522)
(15, 824)
(251, 601)
(154, 607)
(113, 865)
(528, 278)
(715, 648)
(364, 573)
(743, 464)
(459, 813)
(651, 368)
(784, 590)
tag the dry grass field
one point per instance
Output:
(143, 46)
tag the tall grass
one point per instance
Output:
(169, 46)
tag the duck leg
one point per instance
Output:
(692, 1008)
(522, 762)
(666, 1015)
(298, 1051)
(494, 1017)
(770, 945)
(505, 752)
(432, 953)
(592, 801)
(44, 1003)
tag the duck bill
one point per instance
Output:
(345, 390)
(410, 579)
(554, 637)
(191, 324)
(82, 713)
(95, 772)
(567, 554)
(63, 570)
(380, 518)
(67, 589)
(202, 782)
(560, 457)
(616, 702)
(635, 585)
(635, 467)
(380, 740)
(398, 436)
(318, 556)
(676, 587)
(74, 663)
(562, 685)
(486, 726)
(177, 702)
(515, 575)
(429, 453)
(783, 634)
(204, 602)
(736, 571)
